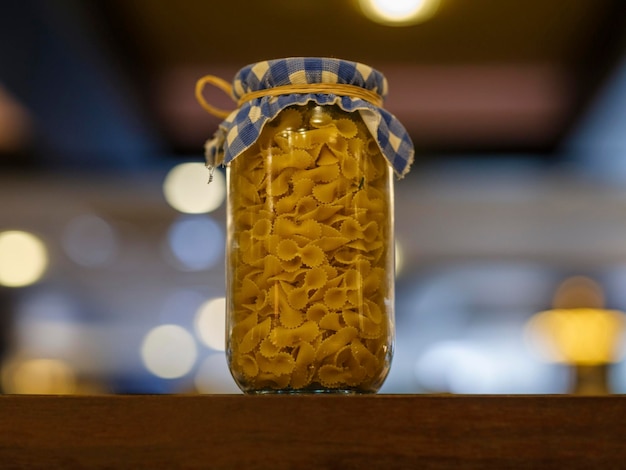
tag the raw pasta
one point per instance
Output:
(310, 257)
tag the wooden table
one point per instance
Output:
(300, 432)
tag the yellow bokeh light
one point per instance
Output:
(38, 377)
(187, 190)
(399, 12)
(23, 258)
(582, 336)
(211, 323)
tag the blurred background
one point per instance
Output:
(111, 243)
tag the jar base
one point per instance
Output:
(308, 392)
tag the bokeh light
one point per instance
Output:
(49, 337)
(472, 367)
(15, 122)
(23, 258)
(38, 376)
(197, 242)
(90, 241)
(187, 190)
(584, 336)
(454, 366)
(399, 12)
(169, 351)
(211, 323)
(46, 324)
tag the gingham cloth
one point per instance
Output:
(243, 126)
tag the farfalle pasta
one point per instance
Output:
(310, 259)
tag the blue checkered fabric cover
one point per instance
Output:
(243, 126)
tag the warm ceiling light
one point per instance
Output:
(399, 12)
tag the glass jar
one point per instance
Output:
(310, 256)
(310, 158)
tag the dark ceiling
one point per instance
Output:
(168, 34)
(482, 76)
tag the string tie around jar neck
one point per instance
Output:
(340, 89)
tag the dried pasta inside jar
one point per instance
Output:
(310, 256)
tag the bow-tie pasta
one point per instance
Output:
(310, 257)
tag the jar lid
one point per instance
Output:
(353, 86)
